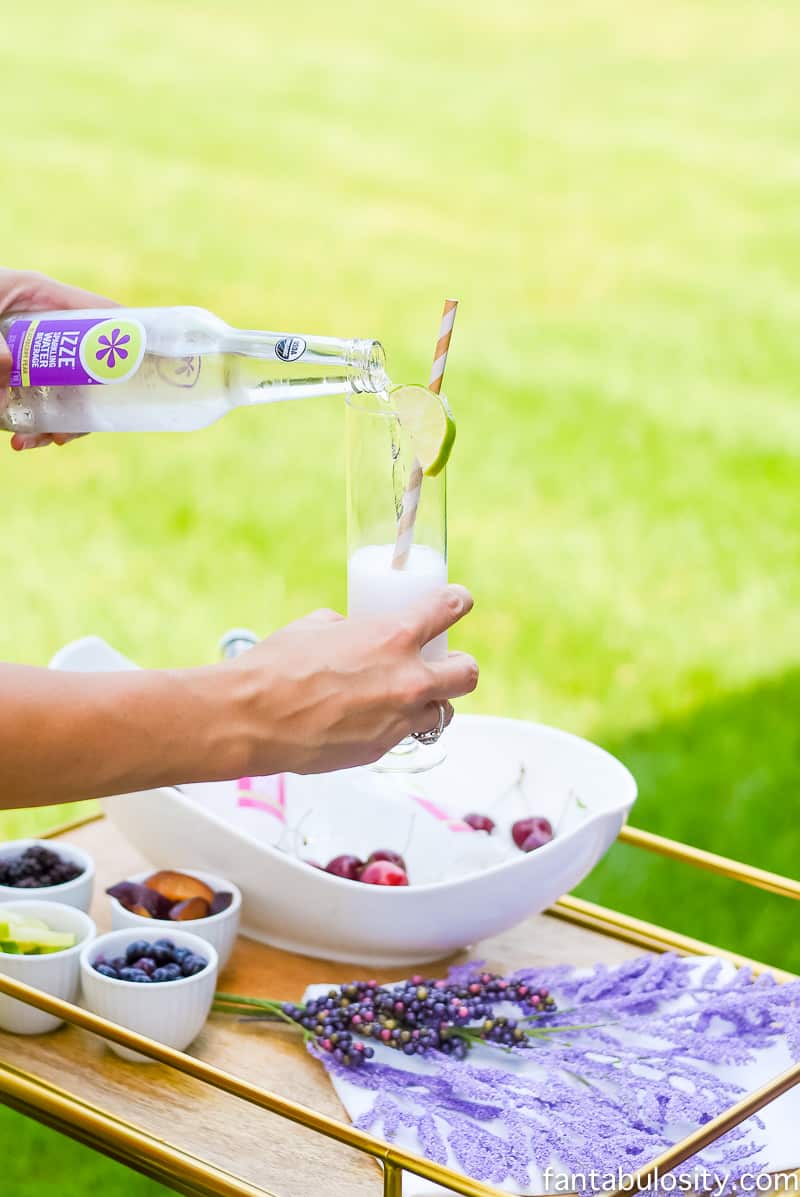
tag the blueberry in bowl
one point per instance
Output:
(161, 987)
(151, 963)
(52, 872)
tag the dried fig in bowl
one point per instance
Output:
(140, 899)
(178, 887)
(221, 901)
(191, 908)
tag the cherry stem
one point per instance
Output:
(516, 784)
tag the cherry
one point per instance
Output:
(536, 839)
(480, 823)
(384, 872)
(387, 854)
(523, 828)
(345, 866)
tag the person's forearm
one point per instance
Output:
(322, 693)
(69, 736)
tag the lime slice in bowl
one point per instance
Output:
(428, 422)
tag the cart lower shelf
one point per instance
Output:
(249, 1113)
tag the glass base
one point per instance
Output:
(409, 756)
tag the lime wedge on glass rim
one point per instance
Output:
(428, 422)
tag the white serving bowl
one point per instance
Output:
(220, 930)
(77, 892)
(307, 910)
(172, 1012)
(57, 973)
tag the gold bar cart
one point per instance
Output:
(250, 1114)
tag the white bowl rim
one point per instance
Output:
(90, 928)
(44, 891)
(620, 808)
(203, 948)
(234, 907)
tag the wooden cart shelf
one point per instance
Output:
(248, 1113)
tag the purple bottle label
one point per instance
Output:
(74, 351)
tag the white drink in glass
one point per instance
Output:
(375, 588)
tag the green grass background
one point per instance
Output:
(612, 192)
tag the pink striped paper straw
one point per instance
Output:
(411, 496)
(439, 813)
(257, 798)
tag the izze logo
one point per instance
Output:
(111, 350)
(289, 349)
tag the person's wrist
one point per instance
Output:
(219, 735)
(246, 735)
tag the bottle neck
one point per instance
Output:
(290, 360)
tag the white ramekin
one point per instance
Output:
(57, 973)
(172, 1012)
(77, 892)
(220, 930)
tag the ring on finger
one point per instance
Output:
(434, 733)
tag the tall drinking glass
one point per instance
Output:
(380, 460)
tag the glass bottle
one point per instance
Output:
(165, 369)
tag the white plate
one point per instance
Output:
(780, 1118)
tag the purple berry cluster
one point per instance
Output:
(146, 963)
(418, 1016)
(37, 866)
